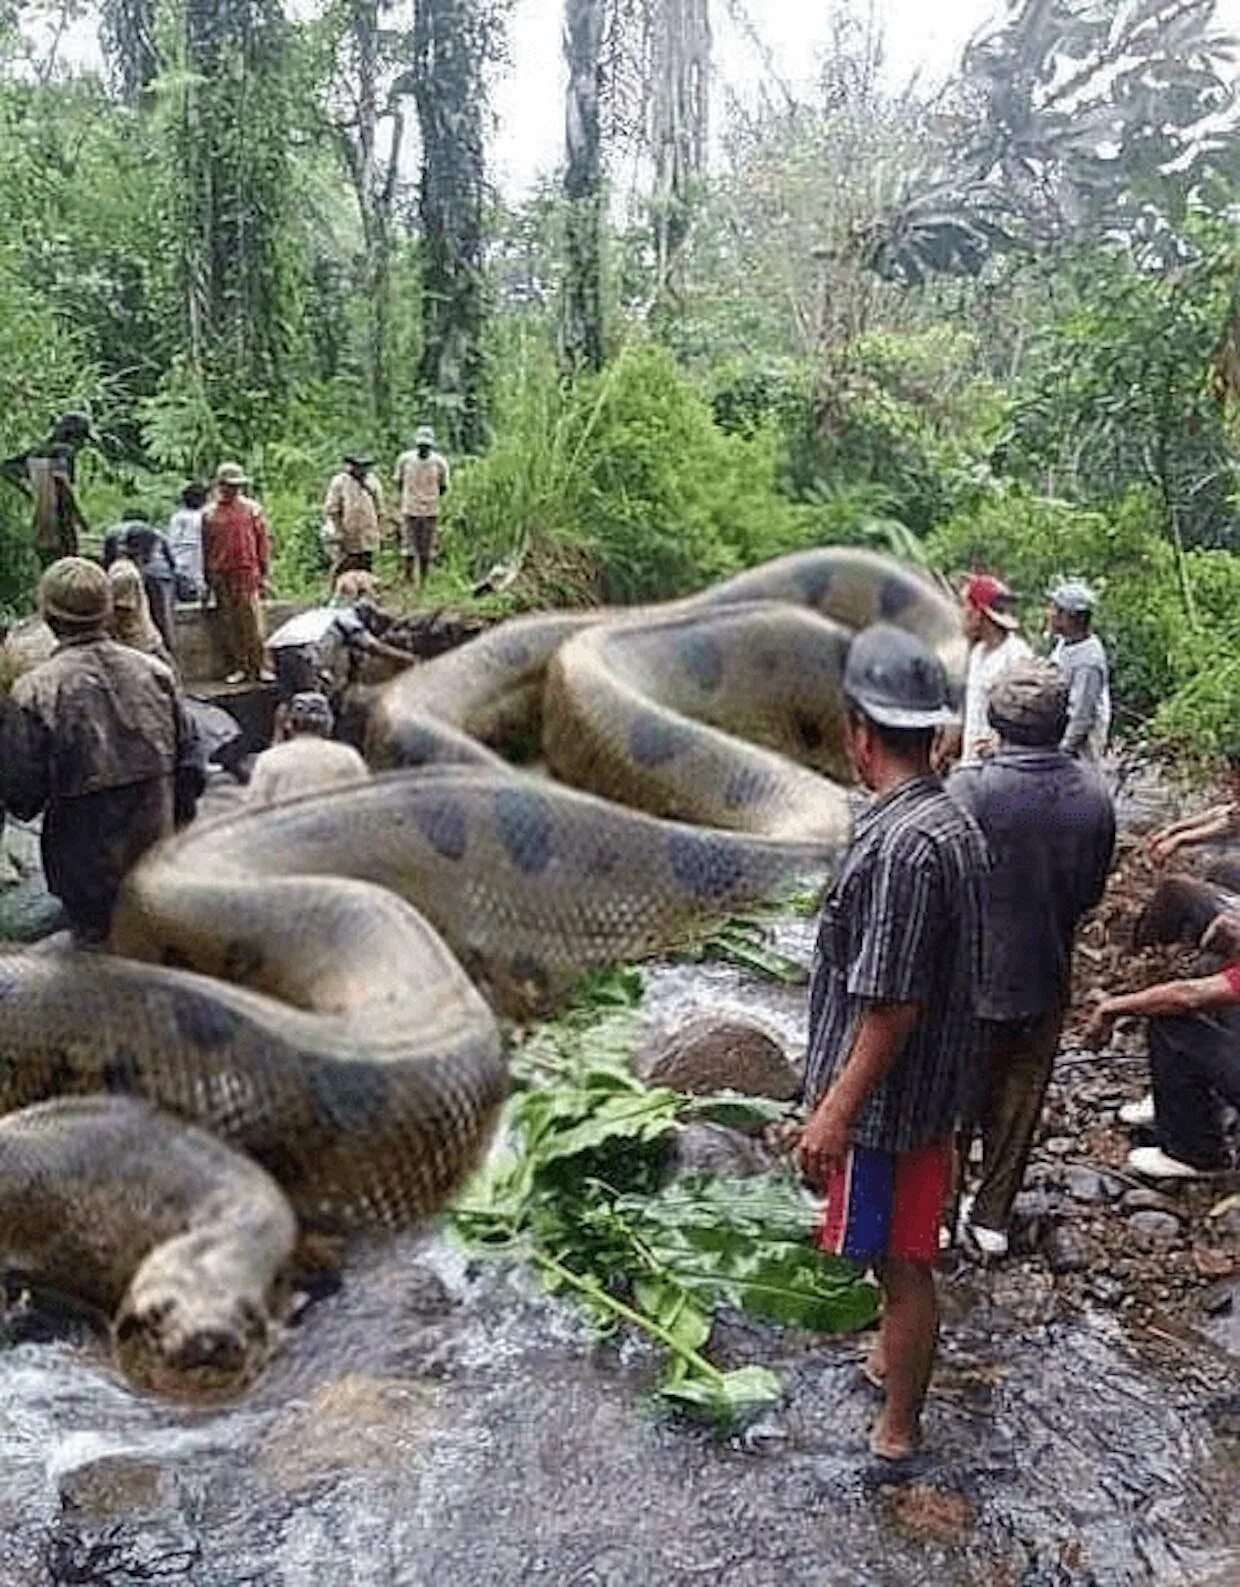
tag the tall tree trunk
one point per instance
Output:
(127, 32)
(582, 332)
(232, 183)
(451, 49)
(680, 110)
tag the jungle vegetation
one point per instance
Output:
(994, 323)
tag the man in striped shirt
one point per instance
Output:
(893, 1014)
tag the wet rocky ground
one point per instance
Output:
(438, 1424)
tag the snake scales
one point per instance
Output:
(295, 1017)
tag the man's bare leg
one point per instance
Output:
(407, 565)
(906, 1349)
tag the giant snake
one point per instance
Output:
(294, 1023)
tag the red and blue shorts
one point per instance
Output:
(886, 1204)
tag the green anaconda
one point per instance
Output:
(313, 984)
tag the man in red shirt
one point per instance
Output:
(236, 551)
(1194, 1046)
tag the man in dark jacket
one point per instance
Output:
(97, 739)
(1050, 827)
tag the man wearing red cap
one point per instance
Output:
(990, 626)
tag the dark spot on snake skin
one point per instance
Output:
(767, 660)
(120, 1073)
(895, 597)
(204, 1024)
(531, 977)
(815, 582)
(443, 825)
(414, 746)
(242, 961)
(348, 1098)
(602, 862)
(701, 655)
(808, 730)
(652, 741)
(174, 959)
(746, 788)
(526, 828)
(704, 866)
(513, 652)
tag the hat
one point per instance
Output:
(425, 436)
(990, 596)
(76, 592)
(896, 680)
(359, 459)
(1073, 596)
(311, 712)
(231, 474)
(1028, 703)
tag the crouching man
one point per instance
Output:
(892, 1014)
(97, 739)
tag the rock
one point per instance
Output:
(1221, 1315)
(712, 1054)
(1144, 1199)
(1057, 1146)
(113, 1485)
(1068, 1251)
(1087, 1184)
(1107, 1291)
(1227, 1224)
(714, 1149)
(28, 914)
(1155, 1227)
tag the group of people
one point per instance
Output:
(943, 961)
(353, 509)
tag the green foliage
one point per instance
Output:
(579, 1195)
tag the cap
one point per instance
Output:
(991, 596)
(311, 712)
(1073, 596)
(896, 679)
(359, 459)
(231, 474)
(1028, 703)
(76, 592)
(425, 436)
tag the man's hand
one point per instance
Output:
(1223, 936)
(824, 1140)
(265, 589)
(1101, 1024)
(1163, 845)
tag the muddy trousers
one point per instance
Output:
(1015, 1062)
(240, 619)
(1195, 1068)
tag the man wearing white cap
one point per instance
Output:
(1079, 655)
(422, 476)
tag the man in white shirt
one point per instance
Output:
(306, 759)
(990, 626)
(422, 476)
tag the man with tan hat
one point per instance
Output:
(1049, 824)
(236, 552)
(97, 739)
(422, 476)
(352, 507)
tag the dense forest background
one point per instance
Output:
(994, 325)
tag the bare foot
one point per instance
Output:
(887, 1445)
(873, 1368)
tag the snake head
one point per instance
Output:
(201, 1347)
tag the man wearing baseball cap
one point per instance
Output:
(422, 477)
(892, 1021)
(1079, 655)
(990, 625)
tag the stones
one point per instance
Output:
(1089, 1185)
(719, 1054)
(714, 1149)
(112, 1486)
(1146, 1199)
(1068, 1251)
(1154, 1227)
(1057, 1146)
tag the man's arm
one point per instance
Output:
(262, 542)
(879, 1040)
(1084, 693)
(1201, 996)
(445, 476)
(24, 785)
(1217, 822)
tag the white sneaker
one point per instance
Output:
(990, 1242)
(1138, 1113)
(1153, 1163)
(964, 1214)
(235, 677)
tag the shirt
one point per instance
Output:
(986, 667)
(352, 506)
(1050, 826)
(1083, 663)
(903, 924)
(185, 543)
(302, 765)
(235, 544)
(422, 481)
